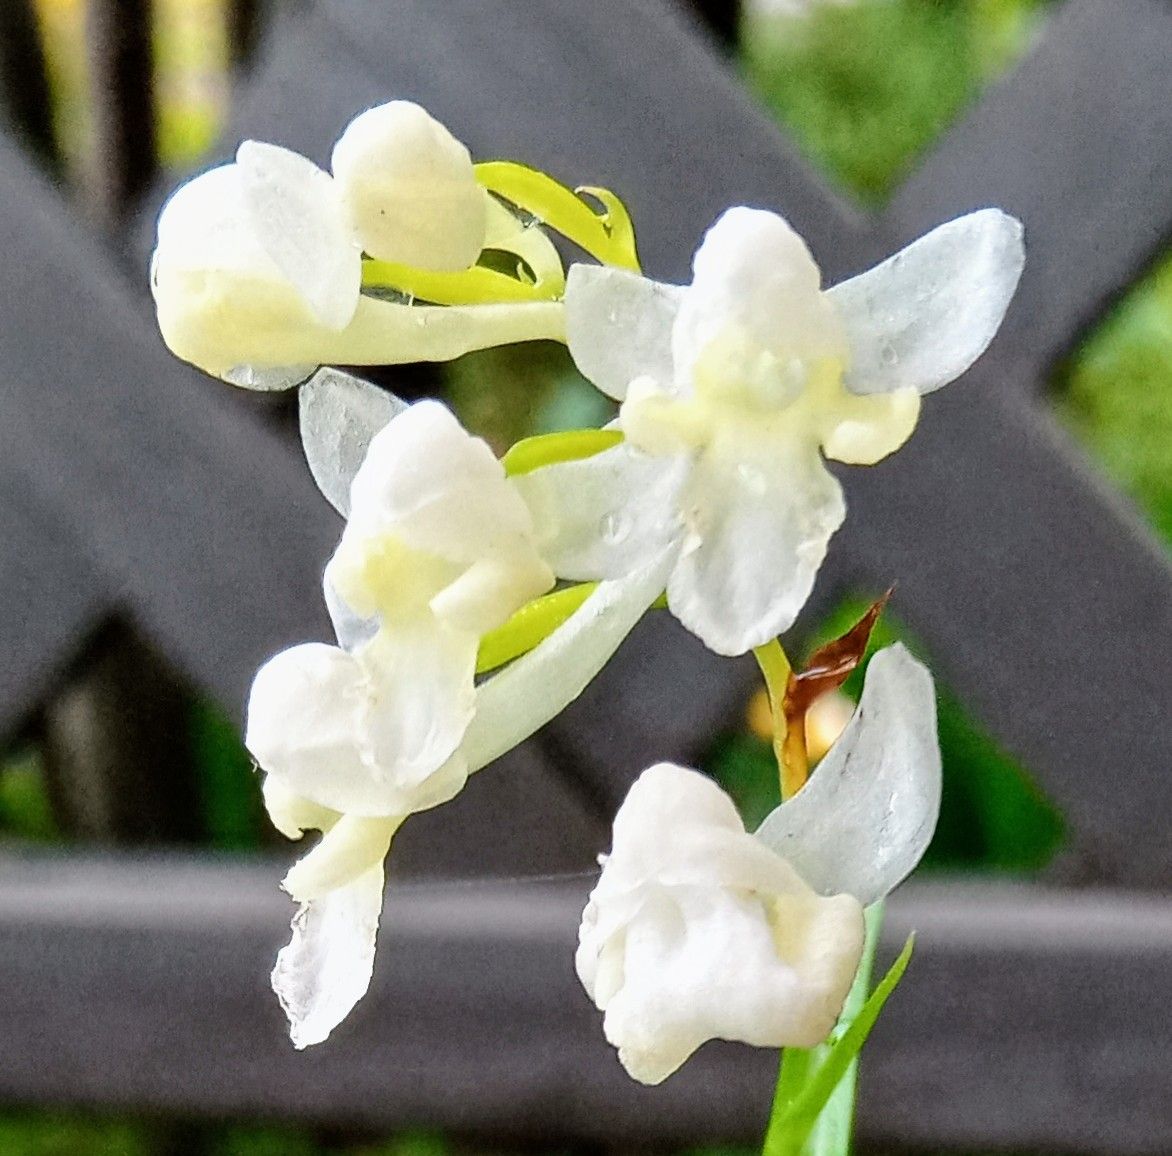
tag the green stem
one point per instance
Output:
(531, 625)
(831, 1134)
(607, 236)
(776, 668)
(531, 454)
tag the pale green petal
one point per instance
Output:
(759, 516)
(606, 515)
(867, 814)
(296, 213)
(340, 414)
(326, 968)
(618, 326)
(923, 316)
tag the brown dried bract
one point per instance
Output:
(827, 669)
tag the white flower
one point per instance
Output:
(698, 930)
(257, 269)
(438, 551)
(354, 738)
(735, 387)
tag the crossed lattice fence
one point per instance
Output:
(135, 492)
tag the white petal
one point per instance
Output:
(706, 963)
(421, 701)
(297, 215)
(867, 814)
(759, 518)
(491, 590)
(340, 414)
(512, 705)
(204, 226)
(923, 316)
(603, 516)
(753, 274)
(350, 848)
(358, 737)
(410, 188)
(618, 326)
(293, 815)
(326, 968)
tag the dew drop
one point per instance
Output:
(614, 528)
(889, 355)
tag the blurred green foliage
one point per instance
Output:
(1115, 395)
(866, 88)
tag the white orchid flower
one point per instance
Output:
(257, 270)
(355, 738)
(736, 386)
(698, 930)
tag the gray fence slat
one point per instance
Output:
(207, 523)
(1078, 143)
(1027, 1018)
(53, 597)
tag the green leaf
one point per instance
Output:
(814, 1107)
(607, 236)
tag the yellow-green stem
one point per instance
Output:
(790, 752)
(530, 626)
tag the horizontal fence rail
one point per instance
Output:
(1034, 1019)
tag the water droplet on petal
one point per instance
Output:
(614, 528)
(889, 355)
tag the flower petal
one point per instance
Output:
(867, 814)
(351, 847)
(759, 518)
(410, 188)
(619, 325)
(340, 414)
(603, 516)
(293, 815)
(363, 737)
(863, 429)
(326, 968)
(923, 316)
(704, 962)
(512, 705)
(297, 215)
(754, 276)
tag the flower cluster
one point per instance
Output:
(474, 597)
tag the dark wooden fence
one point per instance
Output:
(135, 491)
